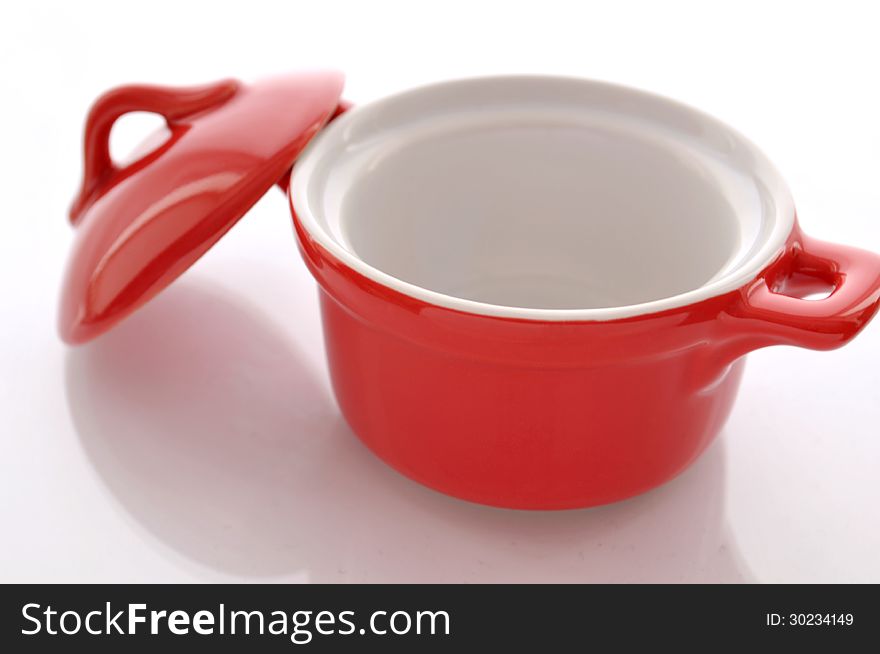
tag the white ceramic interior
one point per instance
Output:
(542, 198)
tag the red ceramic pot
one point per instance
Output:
(536, 292)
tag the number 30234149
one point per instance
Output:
(809, 619)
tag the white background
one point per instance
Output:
(199, 441)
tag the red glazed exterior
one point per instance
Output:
(554, 415)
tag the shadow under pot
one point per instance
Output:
(536, 292)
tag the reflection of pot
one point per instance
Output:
(224, 446)
(536, 292)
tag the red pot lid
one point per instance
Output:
(140, 226)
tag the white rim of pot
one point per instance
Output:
(370, 121)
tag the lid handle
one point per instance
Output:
(173, 103)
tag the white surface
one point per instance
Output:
(200, 441)
(542, 198)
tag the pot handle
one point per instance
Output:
(778, 314)
(173, 103)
